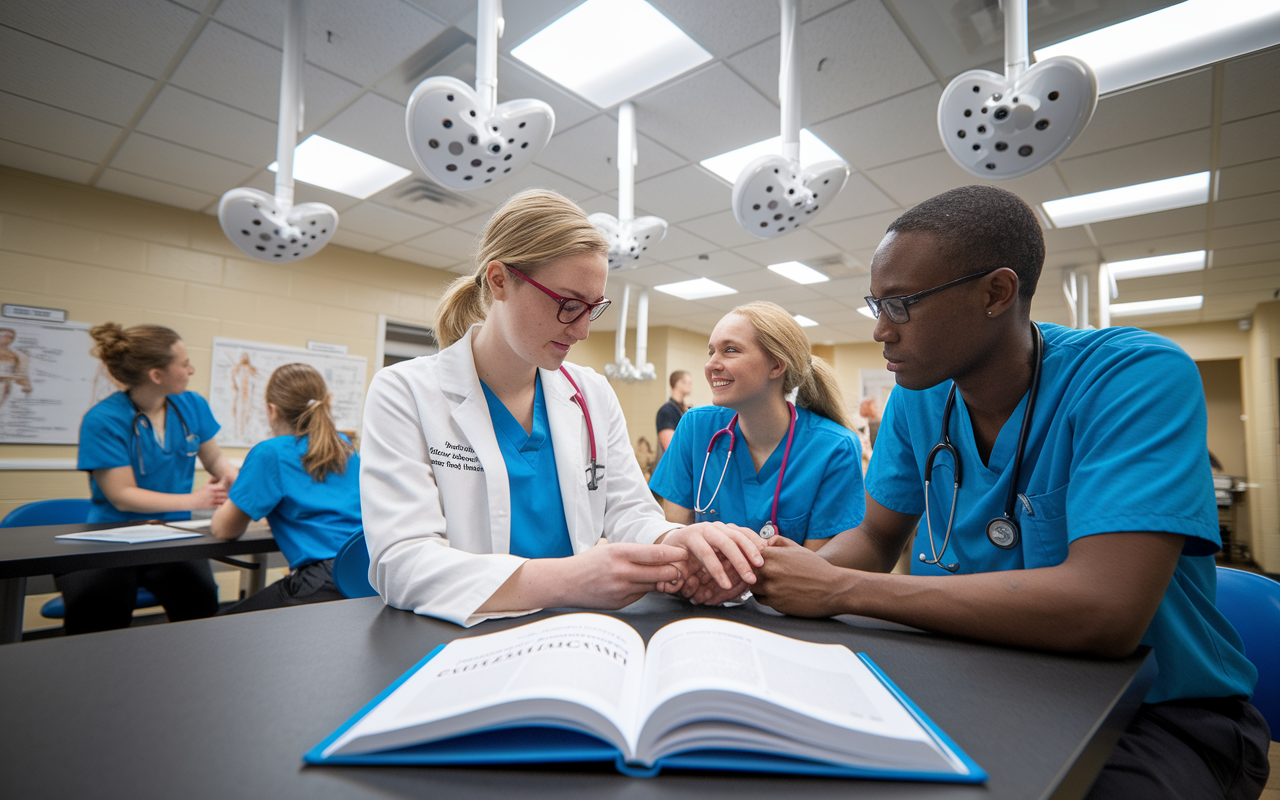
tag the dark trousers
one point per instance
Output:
(1189, 749)
(310, 583)
(103, 599)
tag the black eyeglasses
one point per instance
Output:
(571, 308)
(896, 307)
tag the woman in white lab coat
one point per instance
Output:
(480, 491)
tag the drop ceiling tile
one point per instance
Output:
(1251, 254)
(1253, 139)
(358, 241)
(716, 264)
(1151, 112)
(1183, 154)
(228, 66)
(891, 130)
(30, 159)
(849, 291)
(447, 10)
(202, 124)
(723, 27)
(655, 275)
(516, 81)
(1151, 226)
(304, 192)
(474, 225)
(1072, 238)
(588, 154)
(916, 179)
(1242, 235)
(114, 180)
(683, 194)
(413, 254)
(531, 177)
(447, 242)
(382, 222)
(423, 197)
(857, 234)
(1060, 259)
(359, 41)
(1141, 248)
(523, 19)
(705, 113)
(40, 70)
(798, 245)
(1247, 209)
(858, 198)
(155, 158)
(679, 244)
(757, 279)
(139, 35)
(1249, 87)
(47, 128)
(815, 309)
(1242, 181)
(602, 203)
(373, 125)
(721, 228)
(851, 57)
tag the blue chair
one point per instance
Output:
(351, 568)
(1251, 603)
(67, 511)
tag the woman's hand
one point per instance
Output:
(727, 553)
(616, 575)
(211, 495)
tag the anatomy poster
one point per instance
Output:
(48, 380)
(239, 380)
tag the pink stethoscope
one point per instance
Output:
(596, 470)
(770, 528)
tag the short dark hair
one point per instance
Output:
(982, 228)
(676, 377)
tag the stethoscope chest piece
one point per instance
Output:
(1003, 533)
(768, 531)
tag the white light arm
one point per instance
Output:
(626, 162)
(290, 101)
(488, 31)
(789, 80)
(1016, 59)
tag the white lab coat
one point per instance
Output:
(437, 516)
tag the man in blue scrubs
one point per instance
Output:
(1114, 496)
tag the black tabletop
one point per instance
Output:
(225, 707)
(36, 550)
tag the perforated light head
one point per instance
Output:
(774, 195)
(628, 240)
(253, 221)
(458, 149)
(995, 129)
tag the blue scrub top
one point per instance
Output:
(1118, 443)
(538, 525)
(309, 519)
(821, 491)
(110, 437)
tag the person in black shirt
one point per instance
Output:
(672, 410)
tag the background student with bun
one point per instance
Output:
(140, 447)
(305, 481)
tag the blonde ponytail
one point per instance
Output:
(301, 399)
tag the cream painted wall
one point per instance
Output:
(1262, 404)
(106, 257)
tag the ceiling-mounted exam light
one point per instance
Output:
(273, 228)
(774, 194)
(1002, 126)
(629, 237)
(461, 137)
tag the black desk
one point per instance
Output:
(225, 707)
(35, 550)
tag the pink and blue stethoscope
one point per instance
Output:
(770, 528)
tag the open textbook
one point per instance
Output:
(707, 694)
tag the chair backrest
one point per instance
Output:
(1251, 603)
(351, 568)
(48, 512)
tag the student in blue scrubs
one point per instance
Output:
(140, 447)
(305, 481)
(802, 478)
(1114, 497)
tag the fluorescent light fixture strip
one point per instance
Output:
(338, 168)
(729, 165)
(610, 50)
(1129, 201)
(1157, 265)
(804, 321)
(696, 289)
(1174, 39)
(798, 272)
(1164, 306)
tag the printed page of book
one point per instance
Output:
(713, 683)
(578, 671)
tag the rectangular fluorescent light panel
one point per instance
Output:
(798, 272)
(696, 289)
(1129, 201)
(1174, 39)
(1157, 265)
(866, 312)
(804, 321)
(729, 165)
(338, 168)
(1157, 306)
(611, 50)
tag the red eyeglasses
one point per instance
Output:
(571, 308)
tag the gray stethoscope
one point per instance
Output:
(1003, 531)
(139, 417)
